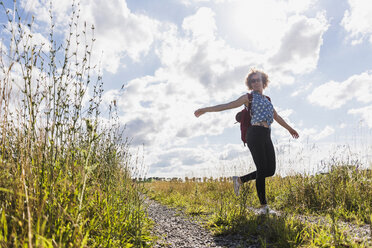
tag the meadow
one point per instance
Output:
(313, 208)
(66, 166)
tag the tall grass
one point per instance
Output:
(64, 179)
(345, 189)
(344, 194)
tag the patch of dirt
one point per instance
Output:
(177, 230)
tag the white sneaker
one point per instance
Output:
(264, 210)
(236, 185)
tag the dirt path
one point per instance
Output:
(178, 231)
(175, 229)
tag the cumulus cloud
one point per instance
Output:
(357, 21)
(187, 156)
(197, 68)
(119, 33)
(201, 57)
(232, 151)
(327, 131)
(202, 25)
(285, 35)
(191, 2)
(365, 113)
(261, 23)
(28, 39)
(180, 160)
(60, 12)
(333, 94)
(300, 45)
(301, 89)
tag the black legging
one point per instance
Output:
(262, 150)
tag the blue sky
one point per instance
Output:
(176, 56)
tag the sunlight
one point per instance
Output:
(262, 31)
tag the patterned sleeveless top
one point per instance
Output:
(261, 109)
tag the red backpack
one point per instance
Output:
(244, 118)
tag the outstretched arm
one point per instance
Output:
(284, 124)
(234, 104)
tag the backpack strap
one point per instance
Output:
(250, 99)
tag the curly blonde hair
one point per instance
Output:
(264, 78)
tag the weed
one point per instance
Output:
(333, 195)
(64, 179)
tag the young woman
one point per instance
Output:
(258, 134)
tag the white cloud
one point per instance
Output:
(232, 151)
(198, 69)
(330, 95)
(333, 94)
(285, 35)
(202, 25)
(342, 125)
(365, 113)
(193, 2)
(60, 10)
(301, 89)
(327, 131)
(202, 58)
(181, 161)
(300, 45)
(160, 113)
(308, 132)
(27, 39)
(261, 23)
(118, 32)
(358, 21)
(314, 134)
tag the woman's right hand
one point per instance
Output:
(293, 133)
(199, 112)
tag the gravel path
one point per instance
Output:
(177, 230)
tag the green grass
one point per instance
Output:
(64, 177)
(343, 194)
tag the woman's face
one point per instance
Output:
(256, 82)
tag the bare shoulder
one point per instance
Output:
(244, 99)
(245, 96)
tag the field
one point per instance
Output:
(67, 169)
(315, 210)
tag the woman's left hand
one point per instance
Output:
(199, 112)
(293, 133)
